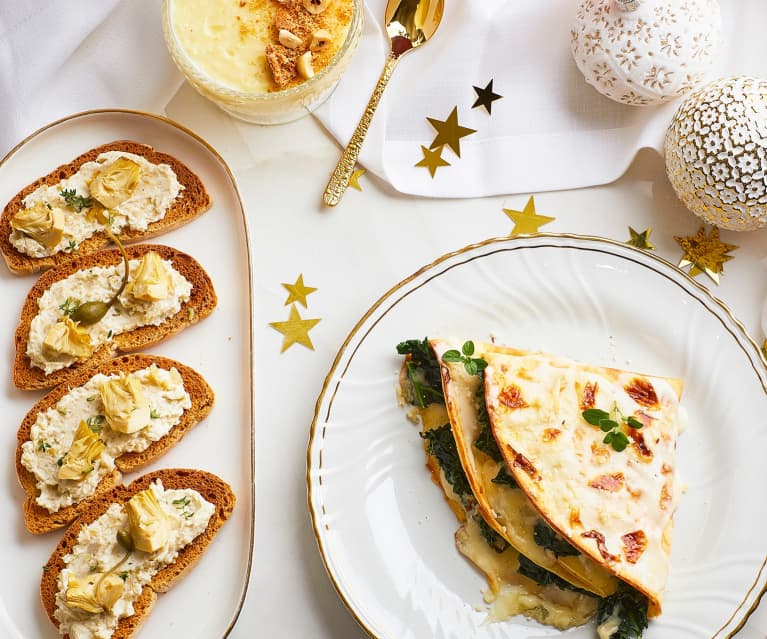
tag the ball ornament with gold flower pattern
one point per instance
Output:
(716, 153)
(643, 52)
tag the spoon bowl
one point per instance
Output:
(409, 25)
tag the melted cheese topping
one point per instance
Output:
(157, 188)
(51, 434)
(99, 284)
(507, 509)
(616, 507)
(97, 550)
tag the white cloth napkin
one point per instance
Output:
(550, 131)
(59, 57)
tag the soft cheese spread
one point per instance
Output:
(151, 196)
(97, 552)
(99, 283)
(52, 433)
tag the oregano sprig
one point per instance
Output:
(610, 424)
(473, 365)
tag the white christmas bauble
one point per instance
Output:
(660, 50)
(716, 153)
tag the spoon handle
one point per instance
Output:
(339, 180)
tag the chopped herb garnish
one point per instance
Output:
(154, 414)
(96, 423)
(631, 608)
(69, 306)
(50, 208)
(109, 334)
(546, 538)
(423, 372)
(72, 246)
(441, 445)
(46, 568)
(610, 423)
(91, 398)
(493, 539)
(74, 201)
(473, 365)
(543, 577)
(94, 566)
(181, 502)
(60, 461)
(191, 313)
(43, 446)
(124, 575)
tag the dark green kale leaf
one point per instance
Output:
(485, 441)
(504, 478)
(544, 536)
(493, 539)
(423, 372)
(543, 577)
(631, 608)
(441, 444)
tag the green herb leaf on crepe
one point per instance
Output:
(423, 372)
(546, 538)
(543, 577)
(611, 423)
(630, 607)
(473, 365)
(441, 445)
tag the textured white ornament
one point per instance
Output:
(716, 153)
(657, 52)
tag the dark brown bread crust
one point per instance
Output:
(191, 202)
(37, 519)
(212, 488)
(201, 303)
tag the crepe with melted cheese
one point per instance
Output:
(614, 506)
(502, 504)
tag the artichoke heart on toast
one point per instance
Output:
(66, 337)
(125, 406)
(41, 222)
(147, 521)
(152, 281)
(97, 593)
(115, 183)
(86, 447)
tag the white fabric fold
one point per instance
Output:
(550, 131)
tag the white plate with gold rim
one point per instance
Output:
(207, 602)
(383, 528)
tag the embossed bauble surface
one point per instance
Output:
(657, 52)
(716, 153)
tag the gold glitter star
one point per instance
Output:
(485, 97)
(298, 291)
(705, 254)
(527, 220)
(355, 177)
(641, 240)
(449, 132)
(295, 330)
(432, 160)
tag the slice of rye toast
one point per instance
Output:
(212, 488)
(38, 519)
(200, 304)
(191, 202)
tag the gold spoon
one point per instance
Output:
(409, 23)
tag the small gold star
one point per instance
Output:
(641, 240)
(298, 291)
(355, 177)
(764, 349)
(432, 160)
(449, 132)
(705, 254)
(295, 330)
(485, 97)
(527, 220)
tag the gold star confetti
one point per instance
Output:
(449, 132)
(641, 240)
(764, 349)
(355, 177)
(295, 330)
(527, 220)
(486, 97)
(432, 160)
(298, 292)
(705, 254)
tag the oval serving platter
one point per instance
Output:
(384, 530)
(219, 347)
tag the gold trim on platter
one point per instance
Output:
(233, 182)
(739, 332)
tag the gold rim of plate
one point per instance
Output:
(233, 182)
(743, 333)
